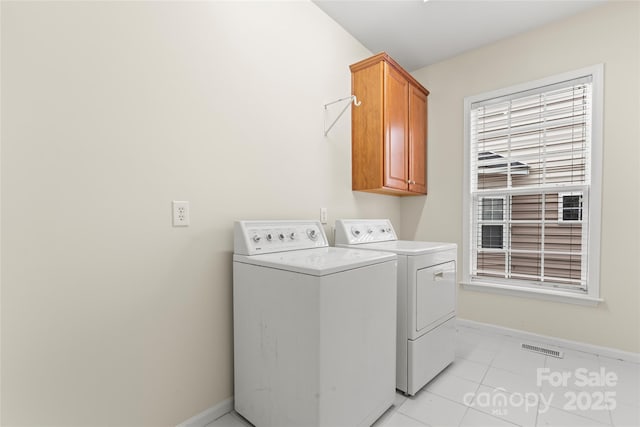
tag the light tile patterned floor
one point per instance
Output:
(494, 383)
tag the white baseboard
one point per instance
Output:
(559, 342)
(209, 415)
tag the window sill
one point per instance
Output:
(542, 294)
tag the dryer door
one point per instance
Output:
(435, 296)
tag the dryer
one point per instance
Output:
(426, 298)
(314, 327)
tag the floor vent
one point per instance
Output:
(542, 350)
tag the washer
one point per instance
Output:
(426, 298)
(314, 327)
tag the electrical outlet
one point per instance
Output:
(180, 213)
(323, 215)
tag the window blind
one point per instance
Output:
(530, 178)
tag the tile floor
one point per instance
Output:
(494, 383)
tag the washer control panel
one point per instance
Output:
(261, 237)
(356, 231)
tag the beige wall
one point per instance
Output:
(608, 34)
(109, 111)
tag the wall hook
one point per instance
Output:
(351, 98)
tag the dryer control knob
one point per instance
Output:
(269, 236)
(256, 238)
(281, 236)
(292, 236)
(313, 234)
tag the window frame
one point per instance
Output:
(594, 208)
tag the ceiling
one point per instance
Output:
(417, 33)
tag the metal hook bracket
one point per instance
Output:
(351, 99)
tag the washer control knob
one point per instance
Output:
(269, 236)
(281, 236)
(383, 230)
(256, 238)
(312, 233)
(355, 232)
(369, 230)
(388, 230)
(292, 235)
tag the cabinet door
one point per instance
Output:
(396, 141)
(417, 141)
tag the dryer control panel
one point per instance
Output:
(357, 231)
(262, 237)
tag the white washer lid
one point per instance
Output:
(406, 247)
(317, 262)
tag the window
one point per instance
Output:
(532, 186)
(492, 212)
(569, 207)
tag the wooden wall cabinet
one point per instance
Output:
(389, 129)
